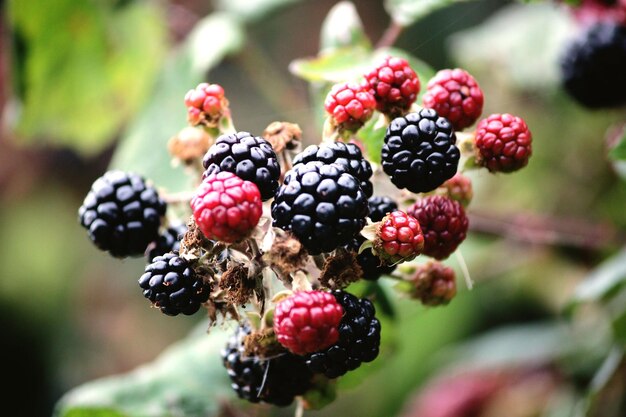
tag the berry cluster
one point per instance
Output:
(264, 211)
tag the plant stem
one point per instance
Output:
(178, 198)
(390, 36)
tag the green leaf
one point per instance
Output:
(602, 283)
(343, 28)
(372, 134)
(143, 147)
(187, 379)
(250, 10)
(85, 68)
(519, 45)
(618, 152)
(406, 12)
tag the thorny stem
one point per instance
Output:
(390, 36)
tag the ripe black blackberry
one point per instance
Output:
(168, 241)
(594, 65)
(346, 154)
(171, 284)
(276, 381)
(359, 339)
(122, 214)
(323, 206)
(419, 152)
(379, 207)
(371, 265)
(251, 158)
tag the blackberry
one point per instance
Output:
(323, 206)
(380, 206)
(171, 284)
(276, 381)
(371, 265)
(251, 158)
(594, 65)
(347, 155)
(122, 214)
(168, 241)
(359, 338)
(419, 152)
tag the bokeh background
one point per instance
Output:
(89, 83)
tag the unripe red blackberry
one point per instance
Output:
(226, 208)
(398, 238)
(206, 104)
(307, 321)
(503, 143)
(455, 95)
(171, 284)
(443, 222)
(277, 380)
(349, 105)
(433, 283)
(249, 157)
(122, 214)
(394, 85)
(420, 151)
(459, 188)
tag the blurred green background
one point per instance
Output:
(89, 83)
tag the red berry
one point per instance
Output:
(349, 105)
(307, 321)
(206, 104)
(588, 12)
(459, 188)
(226, 208)
(433, 283)
(394, 85)
(455, 95)
(443, 223)
(399, 238)
(503, 143)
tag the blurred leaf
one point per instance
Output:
(143, 146)
(601, 383)
(350, 63)
(618, 153)
(339, 65)
(249, 10)
(85, 67)
(603, 282)
(188, 379)
(406, 12)
(520, 45)
(509, 346)
(343, 28)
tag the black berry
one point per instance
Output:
(276, 381)
(251, 158)
(371, 265)
(122, 214)
(168, 241)
(322, 205)
(347, 155)
(379, 207)
(594, 65)
(359, 339)
(171, 284)
(419, 152)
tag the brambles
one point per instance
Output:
(275, 236)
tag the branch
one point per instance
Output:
(390, 36)
(547, 230)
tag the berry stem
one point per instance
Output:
(299, 408)
(391, 34)
(464, 269)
